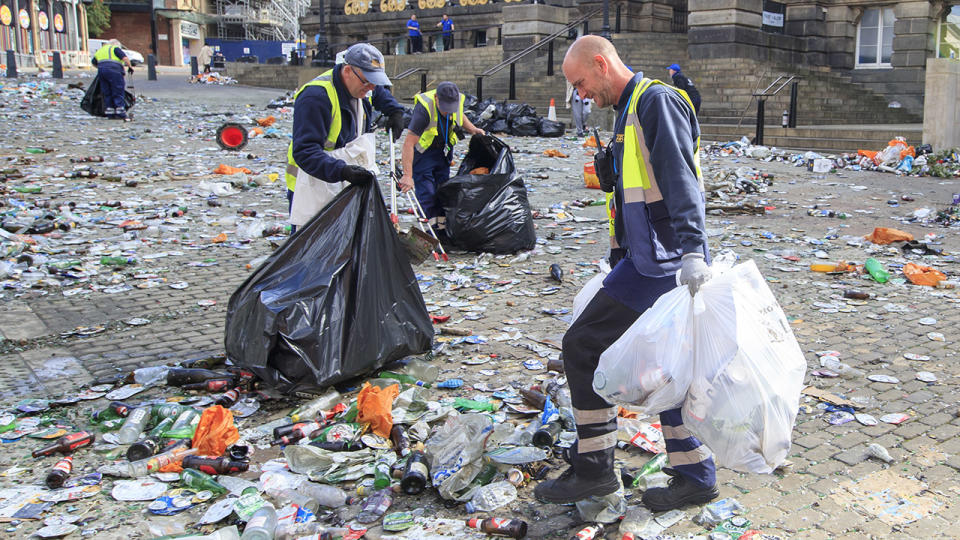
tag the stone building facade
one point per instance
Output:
(880, 44)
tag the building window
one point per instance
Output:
(948, 34)
(875, 38)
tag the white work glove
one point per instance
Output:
(694, 271)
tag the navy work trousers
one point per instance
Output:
(431, 169)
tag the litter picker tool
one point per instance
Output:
(418, 210)
(393, 183)
(417, 243)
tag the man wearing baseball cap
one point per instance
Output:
(437, 114)
(331, 112)
(684, 83)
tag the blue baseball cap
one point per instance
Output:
(675, 67)
(369, 60)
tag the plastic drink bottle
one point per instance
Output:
(262, 524)
(134, 426)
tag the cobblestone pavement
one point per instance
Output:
(821, 494)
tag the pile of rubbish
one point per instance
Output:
(518, 119)
(213, 77)
(77, 221)
(898, 158)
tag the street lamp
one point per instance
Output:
(605, 29)
(322, 56)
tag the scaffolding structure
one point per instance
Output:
(276, 20)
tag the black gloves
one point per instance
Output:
(395, 124)
(130, 70)
(615, 255)
(356, 175)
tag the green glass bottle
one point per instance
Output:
(404, 378)
(117, 261)
(166, 410)
(184, 426)
(876, 271)
(473, 405)
(381, 471)
(652, 466)
(200, 481)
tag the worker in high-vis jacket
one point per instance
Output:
(110, 60)
(333, 143)
(428, 147)
(659, 222)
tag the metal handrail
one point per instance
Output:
(790, 119)
(512, 61)
(406, 73)
(423, 76)
(766, 92)
(537, 45)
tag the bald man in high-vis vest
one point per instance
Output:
(659, 222)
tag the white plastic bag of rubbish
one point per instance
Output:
(249, 229)
(822, 165)
(650, 365)
(589, 290)
(747, 372)
(220, 189)
(891, 154)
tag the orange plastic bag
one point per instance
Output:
(885, 235)
(226, 169)
(591, 141)
(266, 122)
(923, 275)
(553, 152)
(215, 432)
(867, 153)
(374, 406)
(255, 131)
(910, 151)
(220, 238)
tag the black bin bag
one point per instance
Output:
(488, 212)
(92, 101)
(339, 299)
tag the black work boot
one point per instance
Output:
(570, 487)
(680, 492)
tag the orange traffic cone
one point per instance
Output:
(552, 111)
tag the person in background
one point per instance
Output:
(110, 60)
(447, 28)
(436, 116)
(684, 83)
(659, 219)
(326, 118)
(416, 38)
(205, 57)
